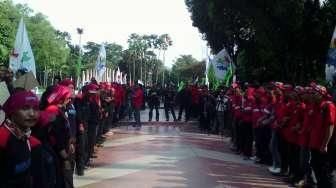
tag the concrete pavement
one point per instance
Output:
(164, 156)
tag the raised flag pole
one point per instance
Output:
(79, 63)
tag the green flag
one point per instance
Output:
(180, 86)
(213, 82)
(228, 76)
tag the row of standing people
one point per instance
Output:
(292, 128)
(189, 100)
(45, 141)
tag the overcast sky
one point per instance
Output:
(115, 20)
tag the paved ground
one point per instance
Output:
(164, 156)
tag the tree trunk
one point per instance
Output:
(146, 72)
(157, 68)
(141, 69)
(134, 71)
(163, 73)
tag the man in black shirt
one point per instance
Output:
(153, 102)
(169, 98)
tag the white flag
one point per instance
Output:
(101, 63)
(22, 55)
(221, 63)
(118, 76)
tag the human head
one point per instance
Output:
(60, 95)
(68, 83)
(22, 109)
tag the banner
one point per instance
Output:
(331, 59)
(219, 69)
(101, 63)
(22, 55)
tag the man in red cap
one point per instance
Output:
(18, 168)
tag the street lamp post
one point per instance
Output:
(79, 63)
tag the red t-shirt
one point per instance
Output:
(257, 113)
(304, 132)
(324, 117)
(138, 98)
(236, 106)
(280, 113)
(296, 116)
(247, 110)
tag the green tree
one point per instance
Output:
(268, 40)
(187, 69)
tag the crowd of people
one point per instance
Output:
(290, 128)
(45, 140)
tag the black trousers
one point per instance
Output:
(284, 152)
(80, 153)
(169, 108)
(246, 140)
(205, 123)
(323, 165)
(157, 114)
(263, 138)
(92, 136)
(186, 108)
(294, 161)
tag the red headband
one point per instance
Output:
(58, 94)
(19, 100)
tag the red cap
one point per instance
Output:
(66, 82)
(59, 93)
(19, 100)
(91, 88)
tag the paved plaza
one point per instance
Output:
(163, 155)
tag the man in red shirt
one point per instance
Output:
(137, 101)
(322, 141)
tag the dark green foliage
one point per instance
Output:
(269, 40)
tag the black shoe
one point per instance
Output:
(167, 119)
(80, 173)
